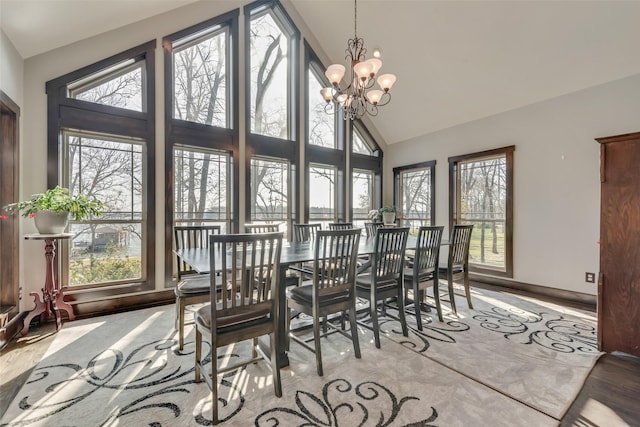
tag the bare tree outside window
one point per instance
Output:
(200, 79)
(201, 187)
(269, 190)
(415, 196)
(321, 125)
(269, 77)
(363, 182)
(483, 203)
(109, 248)
(322, 194)
(121, 87)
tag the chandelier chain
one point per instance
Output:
(355, 18)
(358, 97)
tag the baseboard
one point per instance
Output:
(586, 301)
(118, 304)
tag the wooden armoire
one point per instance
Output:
(619, 279)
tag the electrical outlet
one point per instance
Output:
(590, 277)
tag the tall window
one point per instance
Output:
(482, 190)
(270, 40)
(322, 194)
(366, 175)
(201, 187)
(321, 125)
(363, 195)
(272, 76)
(415, 186)
(201, 137)
(200, 70)
(109, 248)
(103, 150)
(270, 197)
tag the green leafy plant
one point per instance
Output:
(388, 209)
(58, 200)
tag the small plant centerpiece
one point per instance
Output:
(51, 209)
(388, 214)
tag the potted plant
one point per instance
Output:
(51, 209)
(388, 214)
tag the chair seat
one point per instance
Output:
(304, 294)
(196, 284)
(442, 268)
(203, 317)
(408, 277)
(364, 281)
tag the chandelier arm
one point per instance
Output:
(386, 98)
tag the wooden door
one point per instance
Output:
(9, 292)
(619, 284)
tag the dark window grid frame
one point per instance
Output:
(455, 216)
(199, 135)
(64, 112)
(399, 189)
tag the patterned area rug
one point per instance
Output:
(535, 352)
(125, 369)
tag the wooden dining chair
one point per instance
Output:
(423, 269)
(246, 266)
(371, 227)
(458, 263)
(191, 288)
(340, 225)
(305, 232)
(331, 290)
(384, 279)
(261, 228)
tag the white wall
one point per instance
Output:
(556, 179)
(11, 70)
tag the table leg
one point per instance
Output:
(281, 333)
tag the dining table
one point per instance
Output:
(291, 253)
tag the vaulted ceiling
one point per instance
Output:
(456, 61)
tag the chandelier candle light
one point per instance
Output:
(358, 97)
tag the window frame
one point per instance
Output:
(397, 184)
(64, 112)
(197, 135)
(324, 156)
(454, 205)
(372, 162)
(266, 146)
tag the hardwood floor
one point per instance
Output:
(610, 396)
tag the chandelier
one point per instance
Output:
(359, 97)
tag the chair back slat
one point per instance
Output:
(192, 236)
(334, 264)
(371, 227)
(261, 228)
(388, 256)
(459, 249)
(340, 225)
(427, 250)
(248, 278)
(305, 232)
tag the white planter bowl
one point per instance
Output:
(50, 222)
